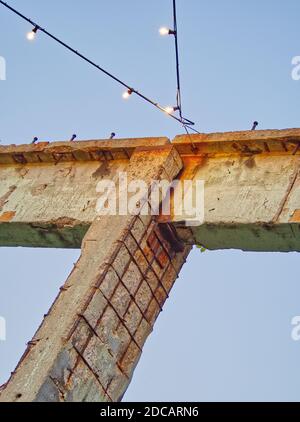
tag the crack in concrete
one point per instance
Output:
(286, 195)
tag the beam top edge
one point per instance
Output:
(81, 150)
(250, 141)
(109, 149)
(280, 135)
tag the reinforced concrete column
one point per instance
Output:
(90, 342)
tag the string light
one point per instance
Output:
(129, 91)
(166, 31)
(31, 35)
(171, 110)
(127, 94)
(186, 123)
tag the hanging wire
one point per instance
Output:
(178, 96)
(185, 122)
(37, 27)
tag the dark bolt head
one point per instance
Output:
(255, 124)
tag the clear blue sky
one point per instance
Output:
(225, 333)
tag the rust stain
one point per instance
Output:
(235, 146)
(250, 163)
(38, 189)
(63, 222)
(19, 158)
(102, 171)
(153, 242)
(192, 165)
(4, 198)
(162, 259)
(194, 161)
(296, 217)
(7, 216)
(22, 171)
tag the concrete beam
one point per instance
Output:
(252, 189)
(48, 191)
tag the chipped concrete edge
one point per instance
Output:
(279, 135)
(76, 151)
(44, 152)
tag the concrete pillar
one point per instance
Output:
(88, 345)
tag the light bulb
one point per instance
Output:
(170, 110)
(164, 31)
(31, 36)
(127, 94)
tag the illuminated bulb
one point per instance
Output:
(164, 31)
(170, 110)
(31, 35)
(127, 94)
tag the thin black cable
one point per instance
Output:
(185, 122)
(132, 90)
(186, 128)
(179, 105)
(191, 128)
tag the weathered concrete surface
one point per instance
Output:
(94, 150)
(252, 189)
(48, 191)
(90, 342)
